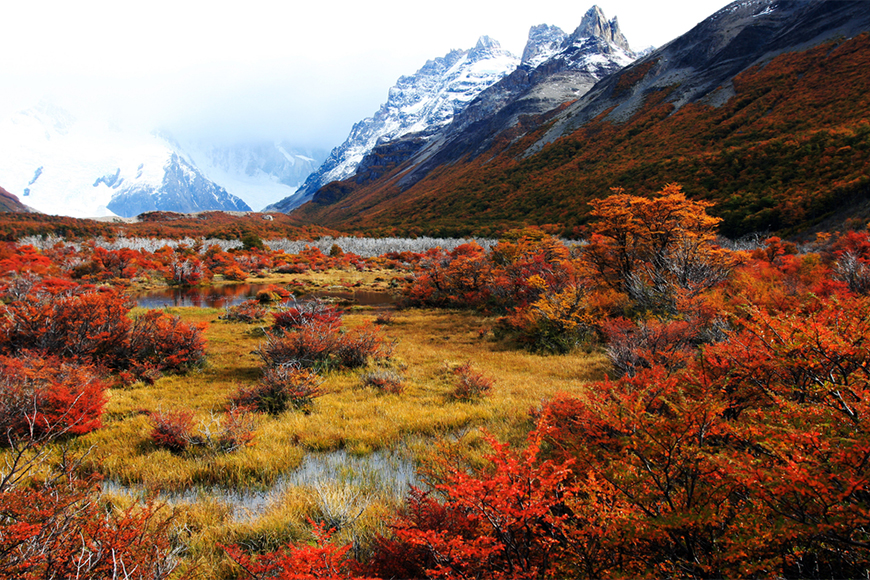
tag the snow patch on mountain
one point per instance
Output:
(545, 41)
(419, 103)
(59, 165)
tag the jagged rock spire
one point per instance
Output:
(544, 41)
(595, 24)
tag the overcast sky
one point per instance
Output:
(302, 71)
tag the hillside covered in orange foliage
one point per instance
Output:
(214, 224)
(786, 150)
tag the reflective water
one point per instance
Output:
(232, 294)
(341, 484)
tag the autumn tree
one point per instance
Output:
(657, 249)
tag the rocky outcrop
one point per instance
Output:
(544, 42)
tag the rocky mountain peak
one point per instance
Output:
(544, 41)
(595, 25)
(486, 44)
(418, 104)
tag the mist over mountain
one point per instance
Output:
(59, 164)
(259, 172)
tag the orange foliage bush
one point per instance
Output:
(321, 561)
(656, 250)
(47, 398)
(61, 529)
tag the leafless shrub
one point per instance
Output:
(855, 273)
(370, 247)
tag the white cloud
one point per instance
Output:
(302, 71)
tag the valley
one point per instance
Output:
(586, 312)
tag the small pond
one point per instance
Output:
(225, 295)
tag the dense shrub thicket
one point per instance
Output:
(730, 439)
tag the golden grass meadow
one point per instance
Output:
(347, 460)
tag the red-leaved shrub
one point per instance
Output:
(283, 386)
(61, 529)
(469, 384)
(93, 327)
(45, 398)
(360, 344)
(311, 345)
(322, 560)
(171, 430)
(248, 311)
(88, 325)
(165, 342)
(510, 520)
(318, 344)
(384, 381)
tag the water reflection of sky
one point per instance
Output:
(232, 294)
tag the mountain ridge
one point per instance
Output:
(572, 63)
(416, 105)
(11, 203)
(679, 113)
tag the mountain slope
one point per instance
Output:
(557, 67)
(10, 203)
(417, 104)
(761, 108)
(61, 165)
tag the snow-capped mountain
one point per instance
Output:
(61, 165)
(545, 41)
(555, 67)
(417, 104)
(183, 189)
(260, 173)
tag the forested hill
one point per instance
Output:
(763, 109)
